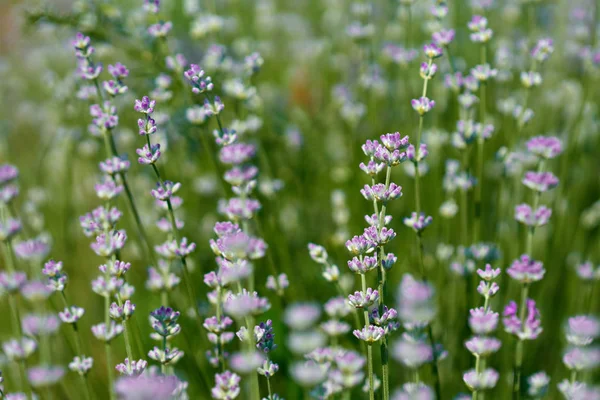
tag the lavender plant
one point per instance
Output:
(247, 121)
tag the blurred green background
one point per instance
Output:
(312, 148)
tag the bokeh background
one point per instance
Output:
(308, 138)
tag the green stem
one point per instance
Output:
(480, 154)
(269, 389)
(369, 346)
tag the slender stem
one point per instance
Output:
(480, 146)
(269, 389)
(369, 346)
(519, 346)
(163, 366)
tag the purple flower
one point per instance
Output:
(147, 126)
(8, 193)
(372, 168)
(36, 291)
(71, 314)
(335, 328)
(414, 391)
(487, 289)
(432, 51)
(381, 193)
(483, 72)
(106, 335)
(105, 116)
(9, 229)
(370, 147)
(379, 237)
(418, 222)
(443, 37)
(337, 307)
(121, 313)
(268, 368)
(227, 386)
(545, 146)
(99, 220)
(145, 105)
(389, 157)
(164, 190)
(246, 362)
(245, 304)
(482, 345)
(302, 316)
(587, 272)
(454, 81)
(427, 70)
(480, 32)
(118, 71)
(81, 365)
(19, 349)
(114, 165)
(200, 82)
(108, 189)
(360, 245)
(483, 321)
(486, 379)
(417, 156)
(373, 220)
(11, 282)
(538, 384)
(152, 6)
(8, 173)
(540, 181)
(399, 55)
(81, 43)
(148, 155)
(393, 141)
(369, 334)
(238, 208)
(278, 283)
(237, 153)
(416, 304)
(114, 88)
(542, 50)
(582, 330)
(533, 218)
(154, 387)
(108, 244)
(531, 79)
(489, 273)
(412, 353)
(43, 376)
(363, 299)
(531, 329)
(164, 321)
(32, 250)
(160, 30)
(239, 245)
(166, 356)
(362, 265)
(526, 270)
(131, 367)
(422, 105)
(582, 358)
(37, 325)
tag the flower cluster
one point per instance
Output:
(483, 321)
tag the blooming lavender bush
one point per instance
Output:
(291, 199)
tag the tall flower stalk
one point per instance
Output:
(523, 320)
(106, 120)
(417, 153)
(483, 321)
